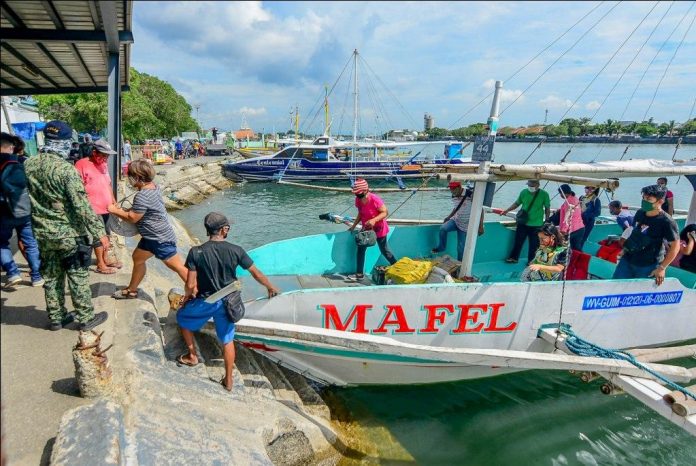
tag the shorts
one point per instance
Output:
(195, 313)
(105, 218)
(162, 251)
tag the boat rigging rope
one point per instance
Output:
(523, 162)
(676, 50)
(651, 62)
(559, 58)
(527, 64)
(582, 347)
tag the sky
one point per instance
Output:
(257, 61)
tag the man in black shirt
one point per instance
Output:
(644, 251)
(212, 266)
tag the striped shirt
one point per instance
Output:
(154, 224)
(461, 216)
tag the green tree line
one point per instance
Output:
(150, 109)
(577, 127)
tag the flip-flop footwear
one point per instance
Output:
(107, 271)
(125, 294)
(115, 265)
(180, 361)
(222, 382)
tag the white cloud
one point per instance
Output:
(555, 102)
(592, 105)
(252, 112)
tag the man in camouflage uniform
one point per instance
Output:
(62, 219)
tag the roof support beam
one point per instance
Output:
(11, 16)
(9, 70)
(49, 55)
(110, 23)
(113, 126)
(30, 66)
(14, 90)
(60, 35)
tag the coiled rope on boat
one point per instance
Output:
(582, 347)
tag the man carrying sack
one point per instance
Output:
(211, 267)
(535, 209)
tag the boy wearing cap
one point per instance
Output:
(458, 219)
(63, 222)
(211, 267)
(372, 213)
(537, 203)
(644, 253)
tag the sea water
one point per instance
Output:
(526, 418)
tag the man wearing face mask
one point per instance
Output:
(644, 253)
(63, 222)
(94, 172)
(537, 203)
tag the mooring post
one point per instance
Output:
(482, 153)
(92, 369)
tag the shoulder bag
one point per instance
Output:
(234, 306)
(522, 216)
(366, 238)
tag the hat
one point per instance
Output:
(454, 184)
(565, 189)
(360, 186)
(103, 147)
(214, 221)
(57, 130)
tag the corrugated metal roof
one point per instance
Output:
(51, 47)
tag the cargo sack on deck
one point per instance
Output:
(438, 275)
(407, 271)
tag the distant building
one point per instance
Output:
(245, 133)
(428, 122)
(627, 123)
(399, 135)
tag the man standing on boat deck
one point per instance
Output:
(212, 266)
(644, 251)
(537, 203)
(458, 219)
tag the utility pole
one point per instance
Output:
(198, 122)
(546, 116)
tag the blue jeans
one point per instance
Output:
(445, 229)
(26, 235)
(625, 269)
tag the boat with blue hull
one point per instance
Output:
(328, 160)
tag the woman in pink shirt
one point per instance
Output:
(571, 224)
(95, 176)
(372, 213)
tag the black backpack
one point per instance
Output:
(14, 195)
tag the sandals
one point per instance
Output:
(222, 382)
(115, 265)
(180, 361)
(510, 260)
(107, 271)
(125, 294)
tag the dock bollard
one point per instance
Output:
(92, 369)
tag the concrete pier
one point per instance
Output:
(158, 412)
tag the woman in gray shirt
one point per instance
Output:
(150, 216)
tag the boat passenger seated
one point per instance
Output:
(550, 258)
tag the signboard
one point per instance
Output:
(483, 149)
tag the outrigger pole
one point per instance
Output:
(480, 186)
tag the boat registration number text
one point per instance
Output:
(592, 303)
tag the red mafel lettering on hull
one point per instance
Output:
(470, 319)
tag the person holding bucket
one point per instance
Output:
(372, 213)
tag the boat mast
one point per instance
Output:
(355, 100)
(466, 268)
(326, 110)
(297, 123)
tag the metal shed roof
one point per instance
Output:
(54, 47)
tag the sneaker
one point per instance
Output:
(39, 282)
(13, 280)
(59, 324)
(510, 260)
(98, 319)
